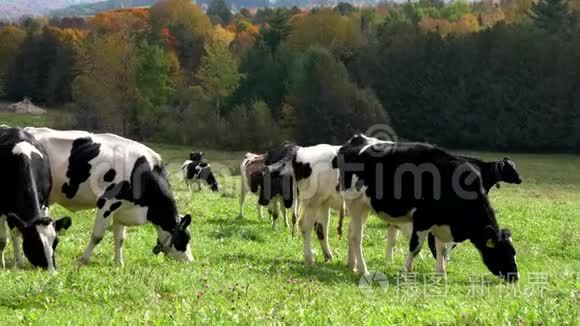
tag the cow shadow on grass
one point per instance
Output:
(334, 272)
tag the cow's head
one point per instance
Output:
(499, 254)
(196, 156)
(176, 245)
(508, 172)
(276, 180)
(39, 238)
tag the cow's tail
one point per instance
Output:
(341, 213)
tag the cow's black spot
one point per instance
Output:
(319, 231)
(301, 170)
(148, 187)
(335, 162)
(115, 206)
(112, 208)
(110, 175)
(82, 152)
(101, 202)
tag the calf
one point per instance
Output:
(123, 179)
(197, 169)
(26, 184)
(433, 189)
(312, 176)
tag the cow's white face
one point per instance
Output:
(182, 256)
(176, 244)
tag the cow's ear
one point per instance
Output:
(62, 224)
(185, 221)
(15, 221)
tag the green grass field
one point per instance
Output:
(244, 272)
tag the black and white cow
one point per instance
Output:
(426, 185)
(196, 169)
(492, 173)
(312, 187)
(24, 191)
(123, 179)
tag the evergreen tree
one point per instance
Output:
(219, 9)
(550, 15)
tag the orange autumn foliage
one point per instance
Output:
(133, 19)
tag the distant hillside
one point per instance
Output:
(96, 7)
(11, 10)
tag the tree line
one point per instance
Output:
(487, 75)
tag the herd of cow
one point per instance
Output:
(423, 190)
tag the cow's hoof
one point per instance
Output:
(83, 261)
(328, 257)
(240, 216)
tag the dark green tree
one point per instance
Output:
(551, 15)
(345, 8)
(329, 107)
(220, 10)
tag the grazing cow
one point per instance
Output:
(197, 169)
(26, 184)
(435, 190)
(492, 173)
(312, 176)
(123, 179)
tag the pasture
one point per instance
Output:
(245, 272)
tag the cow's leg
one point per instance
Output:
(441, 249)
(15, 237)
(449, 247)
(307, 224)
(259, 209)
(321, 228)
(274, 210)
(3, 240)
(198, 184)
(243, 191)
(415, 244)
(351, 259)
(101, 224)
(285, 216)
(295, 212)
(341, 214)
(359, 217)
(392, 233)
(119, 236)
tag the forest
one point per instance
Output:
(488, 75)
